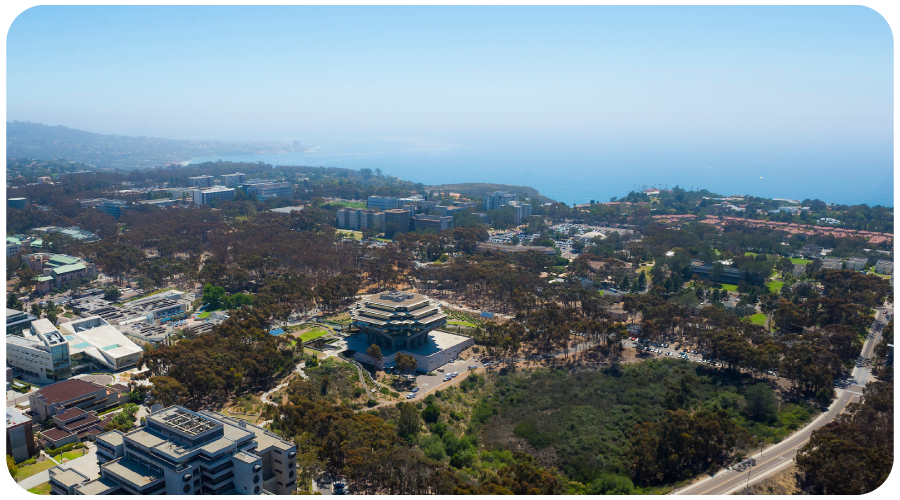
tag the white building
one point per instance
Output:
(201, 181)
(93, 341)
(884, 267)
(40, 351)
(265, 190)
(181, 452)
(233, 180)
(382, 203)
(204, 196)
(498, 199)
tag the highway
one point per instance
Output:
(781, 455)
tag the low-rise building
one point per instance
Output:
(16, 321)
(233, 180)
(267, 189)
(201, 181)
(95, 343)
(218, 194)
(729, 275)
(56, 399)
(40, 351)
(884, 267)
(856, 263)
(19, 435)
(19, 203)
(106, 205)
(382, 203)
(58, 270)
(436, 223)
(181, 452)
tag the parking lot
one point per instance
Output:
(428, 383)
(666, 349)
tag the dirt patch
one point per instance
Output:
(782, 483)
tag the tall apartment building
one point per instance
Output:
(498, 199)
(522, 210)
(41, 351)
(181, 452)
(264, 190)
(201, 181)
(356, 218)
(382, 203)
(397, 219)
(17, 321)
(220, 194)
(422, 222)
(19, 435)
(233, 180)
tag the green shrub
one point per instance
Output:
(370, 403)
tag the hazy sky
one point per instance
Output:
(645, 77)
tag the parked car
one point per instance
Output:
(415, 389)
(410, 395)
(441, 370)
(473, 367)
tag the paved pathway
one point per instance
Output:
(265, 397)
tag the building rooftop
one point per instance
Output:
(66, 390)
(14, 417)
(132, 472)
(55, 434)
(70, 268)
(68, 477)
(70, 414)
(98, 486)
(114, 438)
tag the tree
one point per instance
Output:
(374, 352)
(36, 310)
(11, 465)
(761, 404)
(13, 302)
(167, 391)
(408, 423)
(405, 362)
(641, 281)
(431, 413)
(112, 293)
(52, 311)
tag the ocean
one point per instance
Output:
(574, 175)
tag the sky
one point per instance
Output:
(791, 87)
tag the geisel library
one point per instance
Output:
(404, 322)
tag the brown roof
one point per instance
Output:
(70, 414)
(120, 387)
(55, 434)
(67, 390)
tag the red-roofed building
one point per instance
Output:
(60, 397)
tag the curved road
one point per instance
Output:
(781, 455)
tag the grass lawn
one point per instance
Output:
(730, 288)
(758, 319)
(348, 204)
(383, 239)
(30, 470)
(356, 235)
(203, 315)
(775, 286)
(800, 262)
(461, 323)
(750, 253)
(41, 489)
(71, 455)
(312, 334)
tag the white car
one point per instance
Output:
(454, 374)
(410, 395)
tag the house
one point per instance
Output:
(884, 267)
(856, 263)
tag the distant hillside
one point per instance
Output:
(478, 190)
(44, 142)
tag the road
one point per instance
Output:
(781, 455)
(772, 459)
